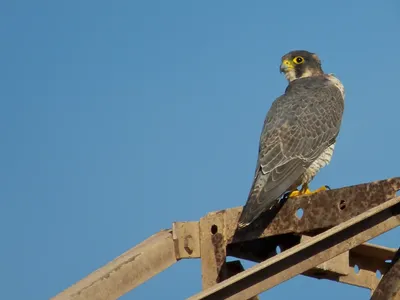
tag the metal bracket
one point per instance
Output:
(186, 236)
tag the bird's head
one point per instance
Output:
(299, 64)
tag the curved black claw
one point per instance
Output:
(286, 195)
(328, 187)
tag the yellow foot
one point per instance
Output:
(307, 191)
(322, 188)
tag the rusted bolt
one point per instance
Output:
(342, 204)
(188, 244)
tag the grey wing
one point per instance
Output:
(299, 126)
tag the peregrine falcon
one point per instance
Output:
(298, 136)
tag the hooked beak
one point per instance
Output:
(286, 65)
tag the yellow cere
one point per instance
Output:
(287, 63)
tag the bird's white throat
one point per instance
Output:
(291, 74)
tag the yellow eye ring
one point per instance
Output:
(298, 60)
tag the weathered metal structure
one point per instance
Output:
(321, 236)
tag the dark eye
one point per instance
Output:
(298, 60)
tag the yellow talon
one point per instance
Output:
(306, 191)
(294, 194)
(322, 188)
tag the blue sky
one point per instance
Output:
(118, 118)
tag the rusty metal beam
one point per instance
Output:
(320, 211)
(307, 255)
(126, 271)
(389, 287)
